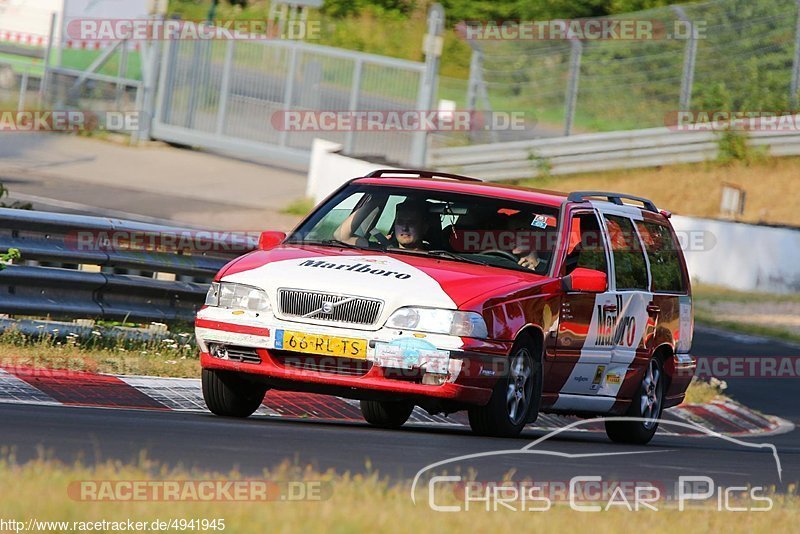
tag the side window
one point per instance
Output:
(386, 221)
(630, 269)
(585, 248)
(334, 218)
(662, 251)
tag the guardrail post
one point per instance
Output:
(167, 82)
(151, 67)
(225, 88)
(576, 51)
(47, 54)
(23, 90)
(796, 64)
(122, 71)
(428, 81)
(475, 66)
(355, 88)
(136, 135)
(689, 57)
(199, 72)
(288, 91)
(477, 90)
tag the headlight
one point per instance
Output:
(228, 295)
(436, 321)
(212, 297)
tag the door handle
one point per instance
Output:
(653, 308)
(610, 308)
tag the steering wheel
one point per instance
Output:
(501, 254)
(365, 242)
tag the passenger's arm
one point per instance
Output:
(347, 230)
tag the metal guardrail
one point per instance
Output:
(75, 266)
(597, 152)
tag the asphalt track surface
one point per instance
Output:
(218, 444)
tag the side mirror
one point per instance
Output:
(270, 240)
(586, 280)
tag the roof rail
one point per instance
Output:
(616, 198)
(422, 174)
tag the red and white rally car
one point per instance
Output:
(416, 288)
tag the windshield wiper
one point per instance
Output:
(330, 243)
(436, 253)
(454, 256)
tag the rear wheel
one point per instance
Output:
(646, 407)
(229, 395)
(386, 414)
(514, 396)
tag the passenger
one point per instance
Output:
(530, 244)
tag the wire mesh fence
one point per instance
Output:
(241, 91)
(19, 86)
(735, 55)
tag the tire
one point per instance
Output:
(386, 414)
(648, 403)
(515, 397)
(228, 395)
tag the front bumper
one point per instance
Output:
(372, 385)
(474, 365)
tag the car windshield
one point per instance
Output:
(448, 226)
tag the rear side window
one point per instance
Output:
(665, 263)
(630, 270)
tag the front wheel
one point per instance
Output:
(513, 398)
(229, 395)
(645, 407)
(386, 414)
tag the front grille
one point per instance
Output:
(243, 354)
(324, 364)
(344, 308)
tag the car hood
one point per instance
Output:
(397, 279)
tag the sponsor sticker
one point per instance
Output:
(412, 353)
(361, 268)
(540, 221)
(613, 379)
(598, 377)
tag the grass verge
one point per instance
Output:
(744, 328)
(702, 392)
(170, 357)
(44, 490)
(696, 189)
(762, 314)
(300, 207)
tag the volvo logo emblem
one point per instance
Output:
(328, 307)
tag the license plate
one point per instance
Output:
(342, 347)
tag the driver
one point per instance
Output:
(409, 227)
